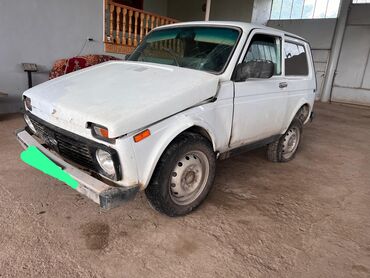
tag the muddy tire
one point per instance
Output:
(285, 148)
(183, 176)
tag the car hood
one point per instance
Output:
(122, 96)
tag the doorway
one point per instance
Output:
(137, 4)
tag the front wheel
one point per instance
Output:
(184, 175)
(285, 148)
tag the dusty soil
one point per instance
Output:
(306, 218)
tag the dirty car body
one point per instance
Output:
(109, 125)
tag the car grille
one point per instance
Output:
(66, 146)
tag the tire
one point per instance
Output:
(285, 148)
(183, 176)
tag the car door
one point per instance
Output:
(260, 104)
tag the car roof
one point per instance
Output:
(246, 27)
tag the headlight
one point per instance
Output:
(29, 123)
(105, 162)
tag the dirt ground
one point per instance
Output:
(306, 218)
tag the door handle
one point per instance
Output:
(283, 85)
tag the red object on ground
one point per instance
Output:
(64, 66)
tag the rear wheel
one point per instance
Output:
(285, 148)
(184, 175)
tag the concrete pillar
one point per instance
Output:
(261, 11)
(208, 10)
(335, 50)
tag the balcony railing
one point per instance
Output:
(125, 26)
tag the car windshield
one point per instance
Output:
(202, 48)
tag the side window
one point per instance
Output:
(295, 59)
(265, 47)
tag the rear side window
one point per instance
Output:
(295, 59)
(267, 48)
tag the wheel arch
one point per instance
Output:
(164, 140)
(302, 105)
(304, 111)
(203, 132)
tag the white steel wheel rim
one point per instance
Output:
(291, 141)
(189, 178)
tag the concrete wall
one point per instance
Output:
(319, 32)
(157, 6)
(261, 11)
(185, 10)
(240, 10)
(41, 31)
(352, 81)
(191, 10)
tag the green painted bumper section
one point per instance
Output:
(35, 158)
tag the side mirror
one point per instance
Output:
(254, 69)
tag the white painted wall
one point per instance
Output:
(352, 80)
(41, 31)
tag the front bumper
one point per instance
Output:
(106, 196)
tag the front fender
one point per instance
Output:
(215, 118)
(148, 151)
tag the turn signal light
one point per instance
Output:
(101, 131)
(142, 135)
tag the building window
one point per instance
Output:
(305, 9)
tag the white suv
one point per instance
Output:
(189, 94)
